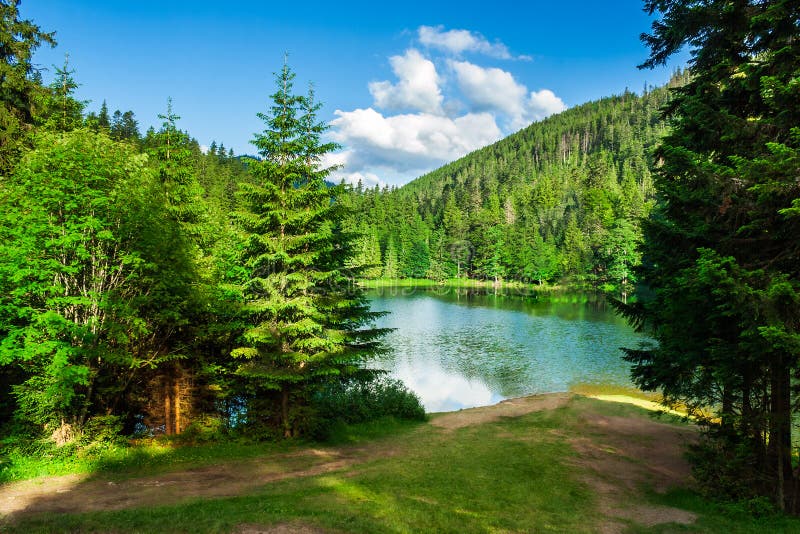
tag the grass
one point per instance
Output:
(455, 283)
(144, 458)
(717, 517)
(512, 475)
(464, 483)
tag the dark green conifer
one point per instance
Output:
(721, 254)
(305, 316)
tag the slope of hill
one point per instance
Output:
(561, 198)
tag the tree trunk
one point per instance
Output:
(176, 395)
(168, 423)
(727, 411)
(779, 450)
(287, 427)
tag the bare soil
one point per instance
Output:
(618, 458)
(507, 408)
(76, 493)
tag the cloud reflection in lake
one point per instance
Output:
(460, 351)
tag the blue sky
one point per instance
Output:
(406, 86)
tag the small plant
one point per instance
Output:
(103, 429)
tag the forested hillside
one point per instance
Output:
(561, 198)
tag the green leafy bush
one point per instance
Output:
(103, 429)
(724, 468)
(204, 429)
(362, 400)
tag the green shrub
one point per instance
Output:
(360, 401)
(723, 466)
(102, 429)
(203, 429)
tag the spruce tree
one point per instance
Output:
(19, 89)
(181, 296)
(103, 119)
(170, 149)
(61, 111)
(721, 254)
(391, 268)
(305, 317)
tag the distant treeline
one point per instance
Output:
(561, 199)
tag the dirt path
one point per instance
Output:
(76, 493)
(622, 456)
(507, 408)
(618, 458)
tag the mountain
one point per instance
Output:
(560, 199)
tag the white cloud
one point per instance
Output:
(409, 143)
(418, 122)
(341, 160)
(334, 159)
(493, 89)
(544, 103)
(460, 41)
(417, 88)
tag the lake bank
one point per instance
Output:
(461, 283)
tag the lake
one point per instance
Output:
(465, 348)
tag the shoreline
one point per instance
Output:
(641, 399)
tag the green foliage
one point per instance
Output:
(390, 261)
(124, 127)
(203, 429)
(19, 88)
(364, 400)
(366, 259)
(561, 198)
(102, 430)
(619, 256)
(171, 150)
(720, 257)
(69, 253)
(724, 470)
(304, 315)
(59, 111)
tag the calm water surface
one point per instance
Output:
(464, 349)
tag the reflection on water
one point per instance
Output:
(464, 349)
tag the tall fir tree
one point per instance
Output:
(306, 318)
(60, 110)
(103, 119)
(19, 90)
(171, 150)
(721, 254)
(391, 268)
(180, 296)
